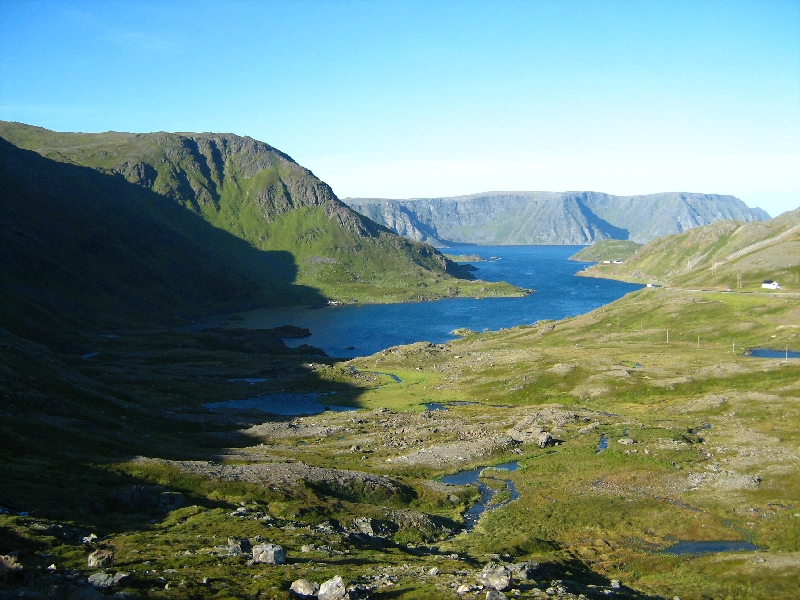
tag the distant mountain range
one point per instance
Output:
(499, 218)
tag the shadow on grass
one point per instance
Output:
(90, 250)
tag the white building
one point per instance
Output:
(771, 285)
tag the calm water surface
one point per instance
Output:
(689, 547)
(370, 328)
(764, 353)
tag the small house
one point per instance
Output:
(771, 285)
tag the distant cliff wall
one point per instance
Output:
(550, 217)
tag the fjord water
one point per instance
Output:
(361, 330)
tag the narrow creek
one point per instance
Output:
(488, 493)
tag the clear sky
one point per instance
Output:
(411, 99)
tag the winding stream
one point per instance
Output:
(473, 477)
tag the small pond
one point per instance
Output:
(764, 353)
(689, 547)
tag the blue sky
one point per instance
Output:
(413, 99)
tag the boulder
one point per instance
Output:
(524, 571)
(496, 577)
(333, 589)
(303, 588)
(10, 569)
(545, 439)
(364, 525)
(237, 546)
(495, 595)
(270, 554)
(101, 580)
(100, 559)
(463, 589)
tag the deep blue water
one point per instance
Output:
(370, 328)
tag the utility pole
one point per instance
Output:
(698, 341)
(738, 281)
(734, 347)
(668, 336)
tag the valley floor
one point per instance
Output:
(626, 443)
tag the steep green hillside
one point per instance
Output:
(179, 221)
(607, 250)
(550, 217)
(717, 255)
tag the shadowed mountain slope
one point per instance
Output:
(550, 217)
(186, 224)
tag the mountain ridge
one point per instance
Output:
(550, 217)
(239, 220)
(724, 254)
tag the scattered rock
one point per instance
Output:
(627, 441)
(270, 554)
(495, 595)
(303, 588)
(100, 559)
(707, 402)
(433, 572)
(496, 577)
(615, 584)
(333, 589)
(545, 329)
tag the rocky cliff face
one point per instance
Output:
(550, 217)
